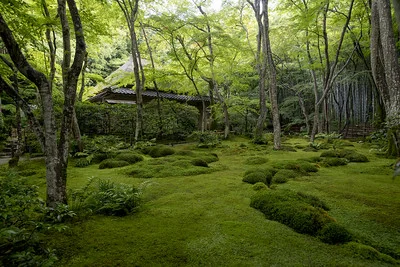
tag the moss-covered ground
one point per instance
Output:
(204, 218)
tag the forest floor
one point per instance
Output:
(206, 220)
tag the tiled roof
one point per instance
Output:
(148, 93)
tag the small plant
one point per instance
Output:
(82, 162)
(112, 163)
(333, 233)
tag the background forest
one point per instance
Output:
(281, 85)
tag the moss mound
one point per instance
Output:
(160, 151)
(289, 208)
(199, 162)
(129, 157)
(331, 162)
(256, 160)
(112, 163)
(259, 186)
(333, 233)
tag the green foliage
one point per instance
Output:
(107, 198)
(313, 201)
(333, 233)
(199, 162)
(82, 162)
(129, 157)
(205, 139)
(289, 208)
(112, 163)
(21, 213)
(256, 160)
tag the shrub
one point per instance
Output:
(205, 139)
(112, 163)
(199, 162)
(82, 162)
(129, 157)
(287, 207)
(255, 160)
(333, 233)
(259, 186)
(331, 162)
(99, 157)
(22, 213)
(108, 198)
(255, 177)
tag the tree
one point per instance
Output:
(130, 9)
(385, 67)
(267, 71)
(55, 151)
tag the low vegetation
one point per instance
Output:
(236, 204)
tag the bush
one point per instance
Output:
(331, 162)
(99, 157)
(255, 160)
(199, 162)
(82, 162)
(259, 186)
(112, 163)
(205, 139)
(107, 198)
(333, 233)
(255, 177)
(289, 208)
(22, 213)
(129, 157)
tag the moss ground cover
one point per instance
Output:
(206, 219)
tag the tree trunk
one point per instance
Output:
(56, 153)
(384, 57)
